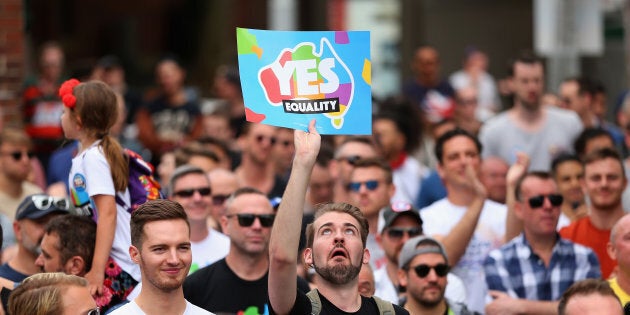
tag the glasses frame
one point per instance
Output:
(423, 270)
(187, 193)
(352, 159)
(538, 201)
(399, 232)
(370, 185)
(94, 311)
(247, 219)
(218, 197)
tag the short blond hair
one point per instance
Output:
(41, 294)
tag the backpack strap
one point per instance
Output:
(384, 307)
(316, 302)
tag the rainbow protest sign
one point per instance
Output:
(289, 78)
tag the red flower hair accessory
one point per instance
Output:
(65, 92)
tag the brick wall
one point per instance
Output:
(12, 57)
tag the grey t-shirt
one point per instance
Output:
(501, 137)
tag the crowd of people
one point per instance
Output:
(466, 199)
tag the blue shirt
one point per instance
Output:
(9, 273)
(517, 270)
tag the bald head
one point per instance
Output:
(492, 176)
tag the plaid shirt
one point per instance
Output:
(517, 270)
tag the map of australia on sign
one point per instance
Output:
(290, 78)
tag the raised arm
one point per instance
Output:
(514, 225)
(285, 234)
(460, 235)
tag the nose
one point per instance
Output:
(432, 276)
(39, 262)
(172, 258)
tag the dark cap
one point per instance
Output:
(420, 245)
(395, 210)
(39, 205)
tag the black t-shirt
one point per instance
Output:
(368, 307)
(216, 288)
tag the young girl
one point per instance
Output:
(99, 173)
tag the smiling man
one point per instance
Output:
(191, 188)
(160, 244)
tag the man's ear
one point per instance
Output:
(402, 277)
(518, 209)
(17, 227)
(75, 266)
(308, 256)
(610, 248)
(366, 256)
(134, 253)
(224, 222)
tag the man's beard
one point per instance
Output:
(338, 274)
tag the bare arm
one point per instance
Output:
(514, 225)
(285, 234)
(460, 235)
(503, 304)
(105, 229)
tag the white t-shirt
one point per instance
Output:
(440, 217)
(90, 175)
(455, 288)
(132, 308)
(205, 252)
(407, 180)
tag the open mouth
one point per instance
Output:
(338, 252)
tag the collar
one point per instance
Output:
(399, 160)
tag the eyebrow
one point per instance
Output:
(167, 245)
(345, 225)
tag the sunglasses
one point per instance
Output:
(189, 192)
(218, 200)
(261, 138)
(538, 201)
(398, 232)
(18, 155)
(423, 270)
(352, 160)
(94, 311)
(370, 185)
(46, 202)
(247, 219)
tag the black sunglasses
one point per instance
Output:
(352, 160)
(218, 200)
(18, 155)
(247, 219)
(538, 201)
(398, 232)
(94, 311)
(189, 192)
(423, 270)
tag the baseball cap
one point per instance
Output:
(39, 205)
(395, 210)
(413, 248)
